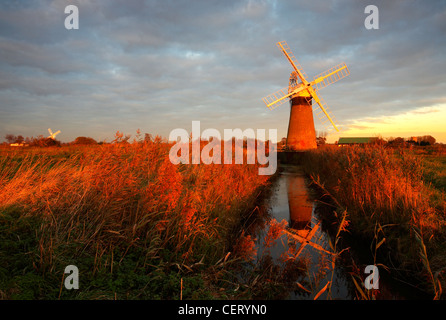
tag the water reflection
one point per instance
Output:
(300, 205)
(294, 202)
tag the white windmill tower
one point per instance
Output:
(53, 135)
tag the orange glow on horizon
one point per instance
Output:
(420, 122)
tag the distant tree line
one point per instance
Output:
(84, 140)
(10, 138)
(321, 138)
(41, 141)
(426, 140)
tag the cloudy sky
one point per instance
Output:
(159, 65)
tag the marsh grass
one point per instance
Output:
(387, 193)
(133, 223)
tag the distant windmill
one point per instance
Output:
(53, 135)
(300, 92)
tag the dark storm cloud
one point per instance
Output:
(158, 65)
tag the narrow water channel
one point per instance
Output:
(307, 231)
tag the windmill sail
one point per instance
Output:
(279, 97)
(53, 135)
(330, 76)
(323, 113)
(292, 59)
(300, 91)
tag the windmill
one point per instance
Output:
(300, 92)
(53, 135)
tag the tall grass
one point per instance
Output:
(128, 217)
(386, 188)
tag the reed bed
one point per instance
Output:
(386, 190)
(133, 223)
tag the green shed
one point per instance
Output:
(345, 141)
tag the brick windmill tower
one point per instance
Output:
(300, 92)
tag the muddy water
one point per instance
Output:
(308, 229)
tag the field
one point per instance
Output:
(135, 225)
(395, 200)
(139, 227)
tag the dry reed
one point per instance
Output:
(382, 187)
(107, 201)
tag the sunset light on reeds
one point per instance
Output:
(222, 158)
